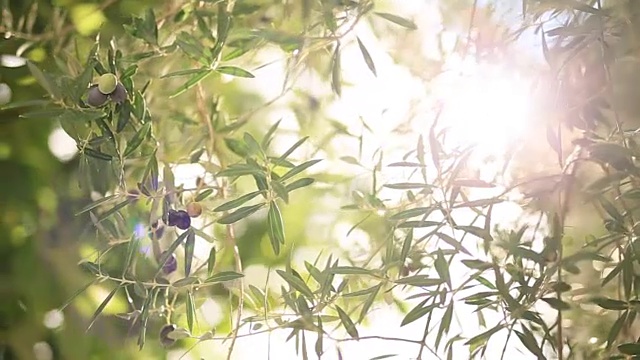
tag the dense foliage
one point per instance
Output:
(205, 210)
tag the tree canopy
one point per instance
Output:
(319, 178)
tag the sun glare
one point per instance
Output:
(485, 106)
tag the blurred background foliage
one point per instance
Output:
(580, 184)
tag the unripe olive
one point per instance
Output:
(194, 209)
(5, 94)
(95, 98)
(107, 83)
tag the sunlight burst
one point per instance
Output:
(487, 106)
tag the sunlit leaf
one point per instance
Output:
(442, 267)
(367, 57)
(100, 308)
(420, 280)
(406, 214)
(96, 203)
(211, 261)
(137, 139)
(336, 71)
(298, 169)
(234, 71)
(76, 294)
(191, 311)
(398, 20)
(236, 202)
(296, 283)
(275, 227)
(347, 323)
(169, 251)
(189, 246)
(418, 312)
(223, 276)
(239, 214)
(300, 183)
(193, 80)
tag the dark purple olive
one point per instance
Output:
(156, 232)
(183, 220)
(165, 340)
(119, 95)
(179, 219)
(170, 265)
(95, 98)
(172, 217)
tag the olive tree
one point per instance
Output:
(191, 177)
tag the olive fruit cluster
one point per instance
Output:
(108, 87)
(182, 218)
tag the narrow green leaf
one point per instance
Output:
(223, 276)
(478, 203)
(300, 183)
(275, 227)
(615, 329)
(96, 203)
(296, 283)
(453, 242)
(349, 270)
(239, 214)
(167, 253)
(191, 310)
(610, 304)
(280, 190)
(137, 139)
(398, 20)
(266, 140)
(144, 316)
(203, 195)
(445, 324)
(234, 71)
(298, 169)
(406, 246)
(336, 71)
(482, 338)
(100, 308)
(409, 213)
(76, 294)
(417, 312)
(347, 323)
(629, 348)
(367, 57)
(442, 268)
(236, 202)
(477, 264)
(366, 305)
(44, 80)
(417, 224)
(293, 148)
(131, 250)
(191, 82)
(241, 170)
(408, 186)
(190, 280)
(557, 304)
(96, 154)
(318, 347)
(419, 280)
(211, 261)
(113, 210)
(189, 246)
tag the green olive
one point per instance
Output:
(107, 83)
